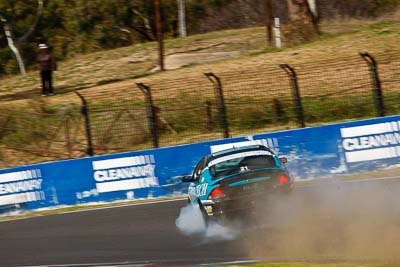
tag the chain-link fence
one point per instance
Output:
(166, 110)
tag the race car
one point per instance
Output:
(228, 183)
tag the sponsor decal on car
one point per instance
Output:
(21, 187)
(124, 173)
(371, 142)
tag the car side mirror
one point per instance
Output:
(283, 160)
(187, 178)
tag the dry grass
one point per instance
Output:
(114, 72)
(327, 64)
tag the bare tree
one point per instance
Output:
(14, 44)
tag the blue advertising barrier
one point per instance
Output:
(312, 152)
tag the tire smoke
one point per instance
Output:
(191, 222)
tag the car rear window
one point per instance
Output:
(241, 164)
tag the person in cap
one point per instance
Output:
(47, 65)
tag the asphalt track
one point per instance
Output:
(122, 236)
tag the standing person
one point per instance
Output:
(47, 65)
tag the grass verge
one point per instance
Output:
(322, 265)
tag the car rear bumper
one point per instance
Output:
(243, 204)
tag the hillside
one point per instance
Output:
(51, 128)
(238, 49)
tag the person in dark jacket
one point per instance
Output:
(47, 65)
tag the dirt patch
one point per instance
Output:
(179, 60)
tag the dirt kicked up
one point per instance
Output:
(333, 222)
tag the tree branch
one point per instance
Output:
(35, 23)
(147, 31)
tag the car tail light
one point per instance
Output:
(217, 192)
(283, 179)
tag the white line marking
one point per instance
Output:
(354, 181)
(150, 263)
(373, 179)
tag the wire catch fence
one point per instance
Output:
(166, 111)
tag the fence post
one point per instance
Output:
(220, 102)
(208, 116)
(296, 93)
(85, 113)
(151, 115)
(377, 90)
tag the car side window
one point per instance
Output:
(199, 168)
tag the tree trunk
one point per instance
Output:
(299, 11)
(313, 7)
(13, 47)
(182, 18)
(315, 14)
(10, 38)
(302, 18)
(268, 21)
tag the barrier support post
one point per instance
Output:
(296, 93)
(219, 94)
(377, 85)
(85, 113)
(151, 114)
(208, 116)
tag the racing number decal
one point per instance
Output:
(201, 190)
(197, 191)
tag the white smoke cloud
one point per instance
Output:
(191, 222)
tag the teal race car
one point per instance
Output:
(228, 183)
